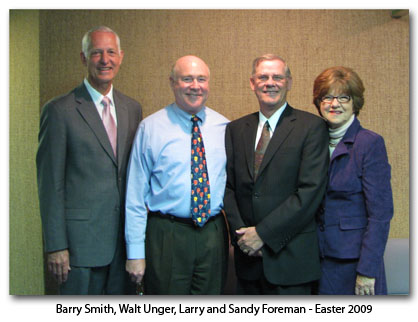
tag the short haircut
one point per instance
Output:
(86, 41)
(262, 58)
(343, 79)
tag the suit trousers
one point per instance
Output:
(183, 259)
(111, 279)
(263, 287)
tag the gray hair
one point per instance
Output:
(262, 58)
(86, 42)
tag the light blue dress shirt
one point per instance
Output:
(159, 169)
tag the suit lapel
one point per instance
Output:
(249, 141)
(284, 127)
(88, 111)
(123, 123)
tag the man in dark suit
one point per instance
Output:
(85, 139)
(277, 162)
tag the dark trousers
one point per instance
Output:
(263, 287)
(111, 279)
(184, 259)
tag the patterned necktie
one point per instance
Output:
(109, 123)
(200, 204)
(261, 148)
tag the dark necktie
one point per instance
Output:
(109, 123)
(261, 148)
(200, 204)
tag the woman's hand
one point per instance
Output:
(364, 285)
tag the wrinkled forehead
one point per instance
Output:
(267, 66)
(193, 68)
(103, 39)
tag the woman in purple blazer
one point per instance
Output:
(353, 221)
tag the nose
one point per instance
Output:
(104, 58)
(270, 81)
(334, 102)
(194, 83)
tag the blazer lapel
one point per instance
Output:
(249, 141)
(284, 127)
(349, 138)
(88, 111)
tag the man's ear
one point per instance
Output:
(172, 82)
(83, 59)
(252, 83)
(289, 83)
(121, 54)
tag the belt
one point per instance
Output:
(182, 220)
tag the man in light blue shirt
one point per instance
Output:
(180, 256)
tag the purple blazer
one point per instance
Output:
(355, 215)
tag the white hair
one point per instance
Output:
(86, 42)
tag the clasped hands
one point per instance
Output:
(249, 241)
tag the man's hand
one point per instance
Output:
(249, 242)
(364, 285)
(59, 265)
(136, 269)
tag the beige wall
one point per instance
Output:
(370, 41)
(26, 268)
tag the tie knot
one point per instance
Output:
(267, 125)
(195, 119)
(106, 101)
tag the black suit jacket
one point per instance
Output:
(80, 182)
(282, 201)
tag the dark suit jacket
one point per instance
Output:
(358, 206)
(81, 184)
(281, 203)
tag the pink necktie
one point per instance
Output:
(109, 123)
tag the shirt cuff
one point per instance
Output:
(135, 251)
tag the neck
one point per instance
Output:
(102, 88)
(191, 111)
(268, 111)
(339, 132)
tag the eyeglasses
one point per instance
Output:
(340, 99)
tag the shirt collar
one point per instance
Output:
(274, 119)
(96, 96)
(186, 117)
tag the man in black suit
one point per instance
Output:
(85, 140)
(277, 162)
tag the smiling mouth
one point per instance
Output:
(270, 92)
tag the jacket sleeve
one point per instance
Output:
(375, 176)
(230, 203)
(50, 162)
